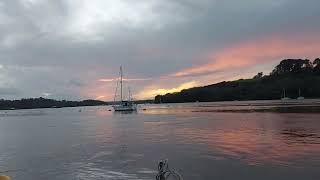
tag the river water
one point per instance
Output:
(93, 143)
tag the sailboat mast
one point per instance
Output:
(121, 81)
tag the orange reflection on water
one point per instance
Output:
(259, 141)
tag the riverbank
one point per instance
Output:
(273, 106)
(289, 109)
(40, 103)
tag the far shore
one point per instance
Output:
(275, 106)
(289, 109)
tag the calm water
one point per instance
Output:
(60, 144)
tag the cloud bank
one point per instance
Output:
(71, 49)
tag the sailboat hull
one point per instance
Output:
(122, 108)
(125, 106)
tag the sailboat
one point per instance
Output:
(284, 95)
(300, 97)
(128, 105)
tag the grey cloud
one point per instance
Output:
(4, 91)
(41, 39)
(76, 83)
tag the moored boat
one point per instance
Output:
(123, 105)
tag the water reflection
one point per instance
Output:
(95, 143)
(258, 139)
(301, 135)
(125, 112)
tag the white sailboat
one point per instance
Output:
(128, 105)
(300, 97)
(284, 95)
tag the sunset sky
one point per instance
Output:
(72, 49)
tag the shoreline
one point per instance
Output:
(16, 109)
(288, 109)
(251, 106)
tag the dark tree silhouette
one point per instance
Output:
(292, 66)
(259, 75)
(34, 103)
(316, 64)
(291, 74)
(45, 103)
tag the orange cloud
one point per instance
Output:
(254, 52)
(100, 97)
(154, 91)
(98, 92)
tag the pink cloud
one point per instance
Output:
(255, 52)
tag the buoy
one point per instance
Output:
(2, 177)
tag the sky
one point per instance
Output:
(72, 49)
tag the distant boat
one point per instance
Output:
(128, 105)
(56, 107)
(284, 95)
(300, 97)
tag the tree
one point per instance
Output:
(316, 64)
(258, 76)
(292, 66)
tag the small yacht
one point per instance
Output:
(284, 98)
(300, 97)
(123, 105)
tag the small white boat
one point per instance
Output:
(128, 105)
(284, 98)
(300, 97)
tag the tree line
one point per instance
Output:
(33, 103)
(290, 74)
